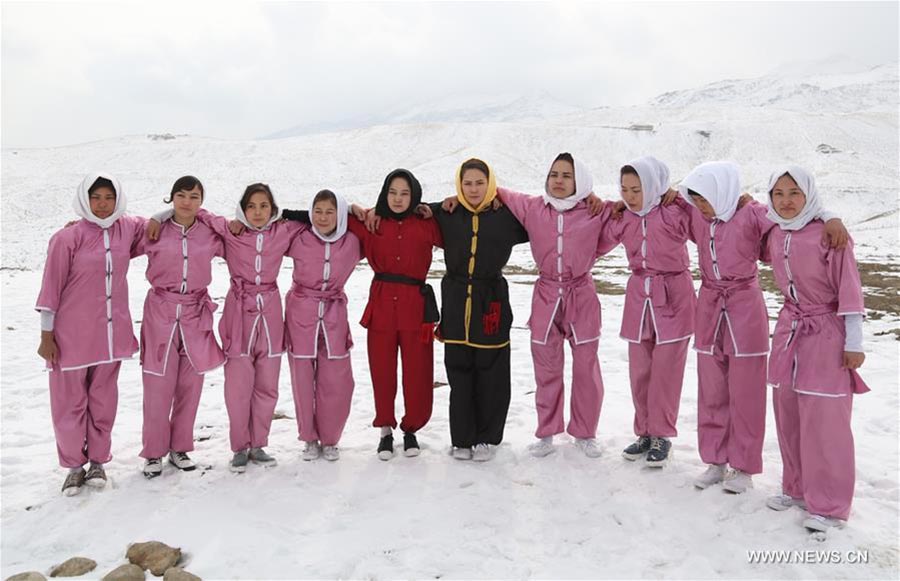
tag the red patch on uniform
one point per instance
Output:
(490, 321)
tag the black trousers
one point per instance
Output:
(479, 394)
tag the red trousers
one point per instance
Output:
(417, 356)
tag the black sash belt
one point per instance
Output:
(432, 314)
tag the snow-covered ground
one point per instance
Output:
(564, 516)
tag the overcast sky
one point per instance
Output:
(75, 72)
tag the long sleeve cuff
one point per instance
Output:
(853, 328)
(47, 318)
(163, 215)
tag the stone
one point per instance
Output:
(27, 576)
(74, 567)
(126, 572)
(153, 555)
(179, 574)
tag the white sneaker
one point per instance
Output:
(738, 482)
(331, 453)
(589, 446)
(714, 474)
(820, 523)
(152, 467)
(462, 453)
(543, 447)
(781, 502)
(182, 461)
(482, 453)
(311, 451)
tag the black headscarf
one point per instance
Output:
(381, 207)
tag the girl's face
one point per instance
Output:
(103, 202)
(561, 180)
(186, 203)
(324, 217)
(259, 209)
(474, 186)
(787, 197)
(399, 195)
(704, 206)
(632, 193)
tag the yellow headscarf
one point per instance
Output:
(488, 197)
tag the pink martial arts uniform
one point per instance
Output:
(732, 327)
(658, 317)
(318, 332)
(252, 327)
(565, 245)
(177, 341)
(85, 286)
(814, 393)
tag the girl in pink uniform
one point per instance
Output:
(658, 319)
(86, 326)
(317, 331)
(732, 327)
(816, 350)
(178, 345)
(252, 327)
(565, 242)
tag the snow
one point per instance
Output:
(564, 516)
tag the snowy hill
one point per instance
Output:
(564, 516)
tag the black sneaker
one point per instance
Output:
(410, 444)
(658, 456)
(386, 447)
(637, 449)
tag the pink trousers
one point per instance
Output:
(170, 405)
(587, 384)
(657, 374)
(731, 414)
(817, 450)
(251, 392)
(323, 389)
(83, 406)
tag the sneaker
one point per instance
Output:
(96, 476)
(817, 522)
(182, 461)
(410, 444)
(781, 502)
(261, 457)
(543, 447)
(239, 462)
(462, 453)
(714, 474)
(74, 481)
(482, 453)
(386, 447)
(589, 446)
(658, 456)
(738, 482)
(152, 467)
(638, 449)
(331, 453)
(311, 451)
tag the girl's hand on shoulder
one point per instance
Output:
(618, 210)
(153, 228)
(496, 204)
(853, 360)
(371, 220)
(835, 234)
(236, 227)
(424, 211)
(595, 204)
(670, 196)
(450, 204)
(744, 200)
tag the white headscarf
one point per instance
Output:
(654, 176)
(82, 202)
(239, 215)
(717, 181)
(807, 184)
(341, 227)
(584, 185)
